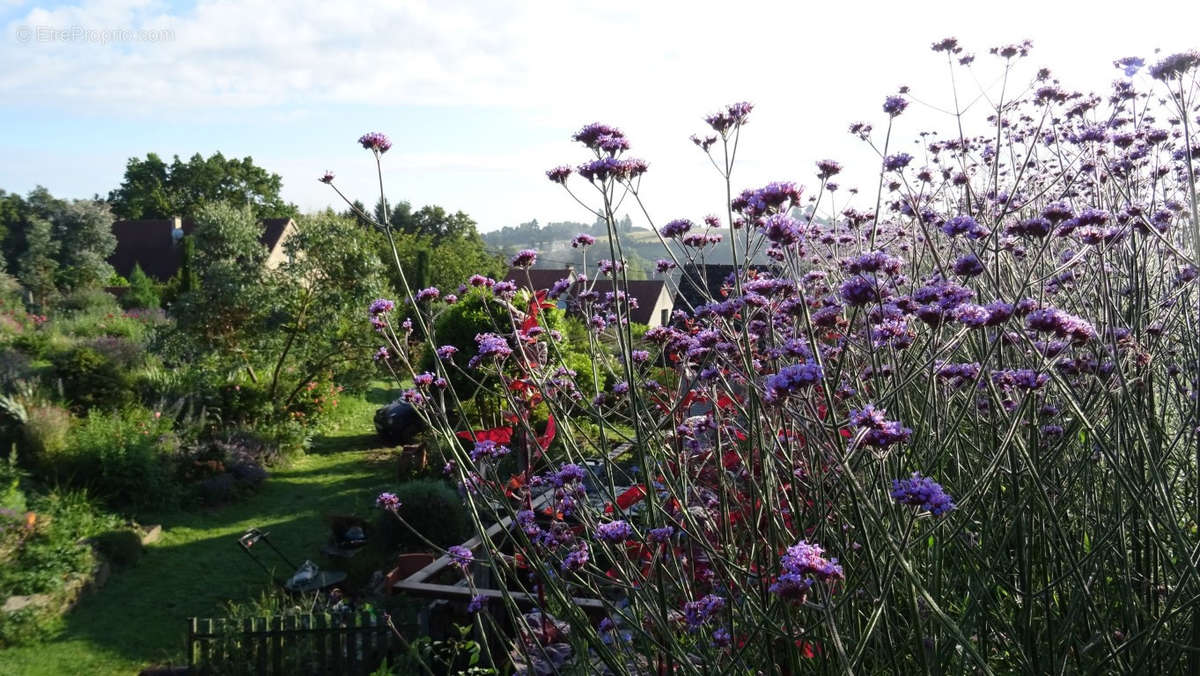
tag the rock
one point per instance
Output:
(100, 574)
(16, 603)
(152, 534)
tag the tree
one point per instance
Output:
(400, 216)
(433, 222)
(315, 310)
(153, 189)
(80, 230)
(142, 291)
(83, 232)
(223, 315)
(451, 262)
(37, 266)
(188, 280)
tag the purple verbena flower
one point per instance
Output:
(676, 228)
(375, 142)
(734, 115)
(461, 556)
(380, 306)
(559, 174)
(791, 379)
(525, 258)
(699, 612)
(894, 105)
(614, 531)
(803, 565)
(487, 448)
(923, 493)
(1175, 65)
(896, 162)
(492, 345)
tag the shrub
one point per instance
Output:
(430, 507)
(248, 474)
(142, 291)
(122, 457)
(46, 432)
(14, 365)
(283, 440)
(51, 559)
(243, 402)
(87, 300)
(122, 547)
(91, 380)
(120, 351)
(12, 498)
(218, 490)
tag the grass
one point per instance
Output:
(139, 617)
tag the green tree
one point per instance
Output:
(422, 276)
(38, 265)
(153, 189)
(451, 262)
(83, 231)
(226, 311)
(142, 293)
(315, 314)
(188, 280)
(12, 209)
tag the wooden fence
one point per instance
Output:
(295, 644)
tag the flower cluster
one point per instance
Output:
(375, 142)
(922, 492)
(804, 565)
(388, 501)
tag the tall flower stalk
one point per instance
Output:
(957, 431)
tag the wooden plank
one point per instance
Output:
(503, 524)
(262, 644)
(345, 666)
(318, 625)
(206, 646)
(247, 642)
(191, 641)
(462, 593)
(276, 640)
(444, 561)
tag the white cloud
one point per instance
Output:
(653, 68)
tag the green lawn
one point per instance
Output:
(139, 617)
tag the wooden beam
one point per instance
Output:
(463, 593)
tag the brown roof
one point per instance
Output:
(646, 291)
(152, 244)
(273, 229)
(149, 243)
(541, 278)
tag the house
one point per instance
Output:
(693, 279)
(654, 301)
(538, 279)
(154, 244)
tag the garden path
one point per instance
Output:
(139, 617)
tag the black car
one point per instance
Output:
(398, 422)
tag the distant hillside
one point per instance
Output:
(641, 246)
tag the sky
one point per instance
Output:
(480, 98)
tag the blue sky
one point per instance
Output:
(481, 97)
